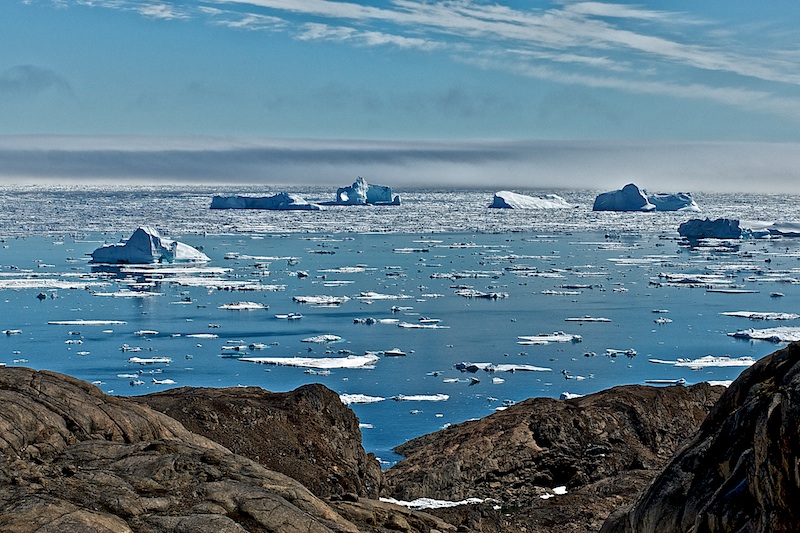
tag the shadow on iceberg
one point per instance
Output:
(145, 246)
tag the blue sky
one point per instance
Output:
(403, 85)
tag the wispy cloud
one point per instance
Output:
(31, 80)
(589, 43)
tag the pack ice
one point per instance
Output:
(147, 246)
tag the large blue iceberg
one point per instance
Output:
(362, 193)
(147, 246)
(632, 198)
(629, 198)
(280, 202)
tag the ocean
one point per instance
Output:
(533, 303)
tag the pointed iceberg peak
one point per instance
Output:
(146, 245)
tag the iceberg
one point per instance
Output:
(281, 201)
(720, 228)
(681, 201)
(512, 200)
(629, 198)
(147, 246)
(362, 193)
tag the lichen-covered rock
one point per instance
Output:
(324, 452)
(741, 470)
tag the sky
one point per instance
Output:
(676, 95)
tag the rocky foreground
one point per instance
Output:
(244, 459)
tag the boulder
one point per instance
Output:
(741, 470)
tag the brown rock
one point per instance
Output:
(603, 447)
(307, 434)
(741, 470)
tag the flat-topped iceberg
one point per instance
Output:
(512, 200)
(282, 201)
(147, 246)
(362, 193)
(632, 198)
(629, 198)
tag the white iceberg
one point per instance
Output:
(349, 399)
(681, 201)
(708, 361)
(421, 397)
(147, 246)
(362, 193)
(512, 200)
(279, 202)
(779, 334)
(351, 361)
(243, 306)
(558, 336)
(629, 198)
(755, 315)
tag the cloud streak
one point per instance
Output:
(742, 167)
(590, 44)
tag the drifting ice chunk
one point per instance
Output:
(280, 202)
(243, 306)
(511, 200)
(362, 193)
(421, 398)
(558, 336)
(351, 361)
(629, 198)
(681, 201)
(322, 339)
(754, 315)
(147, 246)
(708, 361)
(349, 399)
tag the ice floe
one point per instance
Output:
(147, 246)
(321, 300)
(86, 322)
(558, 336)
(243, 306)
(150, 360)
(753, 315)
(420, 397)
(429, 503)
(779, 334)
(350, 361)
(350, 399)
(708, 361)
(322, 339)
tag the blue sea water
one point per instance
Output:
(552, 265)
